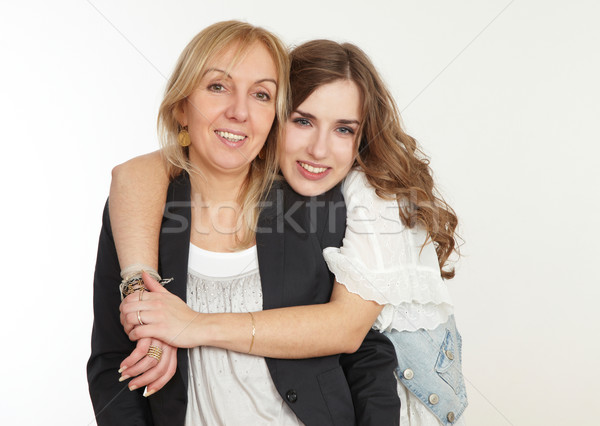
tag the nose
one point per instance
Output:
(238, 107)
(318, 147)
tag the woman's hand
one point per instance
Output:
(154, 374)
(160, 315)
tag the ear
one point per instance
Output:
(179, 112)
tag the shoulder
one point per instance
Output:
(363, 202)
(357, 189)
(147, 166)
(355, 181)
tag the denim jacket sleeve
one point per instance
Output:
(430, 367)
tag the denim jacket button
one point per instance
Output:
(434, 399)
(450, 417)
(408, 374)
(450, 355)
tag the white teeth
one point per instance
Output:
(230, 136)
(313, 169)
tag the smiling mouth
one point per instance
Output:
(311, 169)
(231, 137)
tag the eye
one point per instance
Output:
(301, 121)
(345, 130)
(262, 96)
(216, 87)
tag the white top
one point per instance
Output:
(226, 387)
(381, 259)
(223, 265)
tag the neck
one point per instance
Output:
(216, 220)
(217, 189)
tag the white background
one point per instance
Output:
(503, 95)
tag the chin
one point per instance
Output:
(309, 189)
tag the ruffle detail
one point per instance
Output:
(414, 296)
(393, 286)
(412, 316)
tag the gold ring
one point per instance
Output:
(141, 293)
(140, 318)
(155, 352)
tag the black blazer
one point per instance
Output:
(292, 232)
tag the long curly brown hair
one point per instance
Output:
(391, 159)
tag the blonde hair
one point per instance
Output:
(390, 158)
(186, 77)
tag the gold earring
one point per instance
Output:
(184, 137)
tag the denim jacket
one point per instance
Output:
(429, 365)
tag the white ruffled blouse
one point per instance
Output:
(383, 260)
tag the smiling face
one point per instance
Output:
(230, 113)
(319, 146)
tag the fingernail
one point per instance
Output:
(132, 388)
(123, 378)
(147, 394)
(122, 369)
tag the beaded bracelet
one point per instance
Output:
(135, 283)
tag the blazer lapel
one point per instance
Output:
(270, 248)
(174, 247)
(285, 214)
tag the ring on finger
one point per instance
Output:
(141, 293)
(140, 318)
(155, 352)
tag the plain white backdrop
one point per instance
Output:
(503, 96)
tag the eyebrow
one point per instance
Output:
(340, 121)
(262, 80)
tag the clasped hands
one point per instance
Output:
(156, 318)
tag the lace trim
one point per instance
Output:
(393, 286)
(414, 297)
(412, 316)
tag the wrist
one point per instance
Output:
(230, 331)
(196, 332)
(210, 330)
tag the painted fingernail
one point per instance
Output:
(122, 369)
(132, 388)
(148, 393)
(123, 378)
